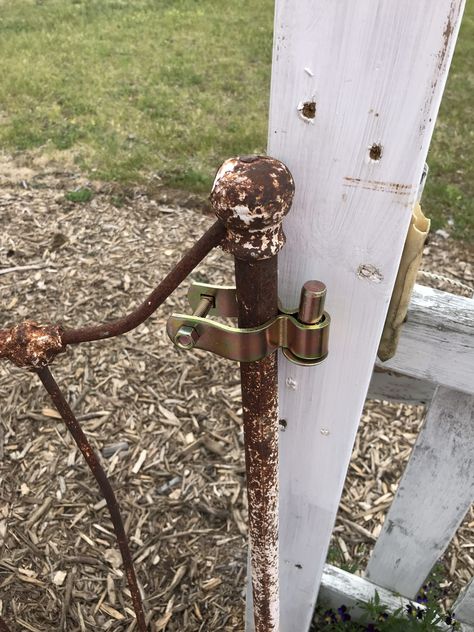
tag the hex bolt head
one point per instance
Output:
(186, 337)
(251, 195)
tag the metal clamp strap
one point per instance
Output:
(301, 343)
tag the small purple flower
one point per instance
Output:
(343, 614)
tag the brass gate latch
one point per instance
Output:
(301, 334)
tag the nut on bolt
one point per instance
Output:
(186, 337)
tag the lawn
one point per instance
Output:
(168, 88)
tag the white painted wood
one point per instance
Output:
(376, 70)
(464, 605)
(339, 588)
(435, 492)
(390, 386)
(437, 341)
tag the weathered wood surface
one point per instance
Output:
(437, 341)
(392, 386)
(339, 588)
(435, 492)
(464, 605)
(355, 92)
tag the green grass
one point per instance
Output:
(169, 88)
(80, 196)
(138, 87)
(449, 193)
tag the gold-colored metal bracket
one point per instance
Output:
(303, 343)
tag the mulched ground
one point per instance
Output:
(179, 474)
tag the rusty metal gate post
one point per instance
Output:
(251, 195)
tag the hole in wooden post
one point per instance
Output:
(375, 152)
(307, 110)
(283, 424)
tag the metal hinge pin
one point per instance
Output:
(313, 296)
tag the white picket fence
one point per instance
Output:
(356, 87)
(437, 487)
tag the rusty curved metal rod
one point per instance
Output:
(211, 238)
(100, 476)
(3, 626)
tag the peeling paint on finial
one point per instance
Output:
(251, 195)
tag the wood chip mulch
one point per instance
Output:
(166, 423)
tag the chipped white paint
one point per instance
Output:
(244, 213)
(437, 340)
(227, 167)
(433, 497)
(369, 272)
(379, 72)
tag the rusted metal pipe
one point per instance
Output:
(211, 238)
(251, 195)
(100, 476)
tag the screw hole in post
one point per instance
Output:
(307, 110)
(375, 152)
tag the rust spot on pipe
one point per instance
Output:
(31, 345)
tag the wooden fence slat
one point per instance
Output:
(396, 387)
(435, 492)
(339, 588)
(437, 341)
(356, 87)
(464, 605)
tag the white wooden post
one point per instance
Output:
(356, 87)
(433, 497)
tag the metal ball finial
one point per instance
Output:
(251, 195)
